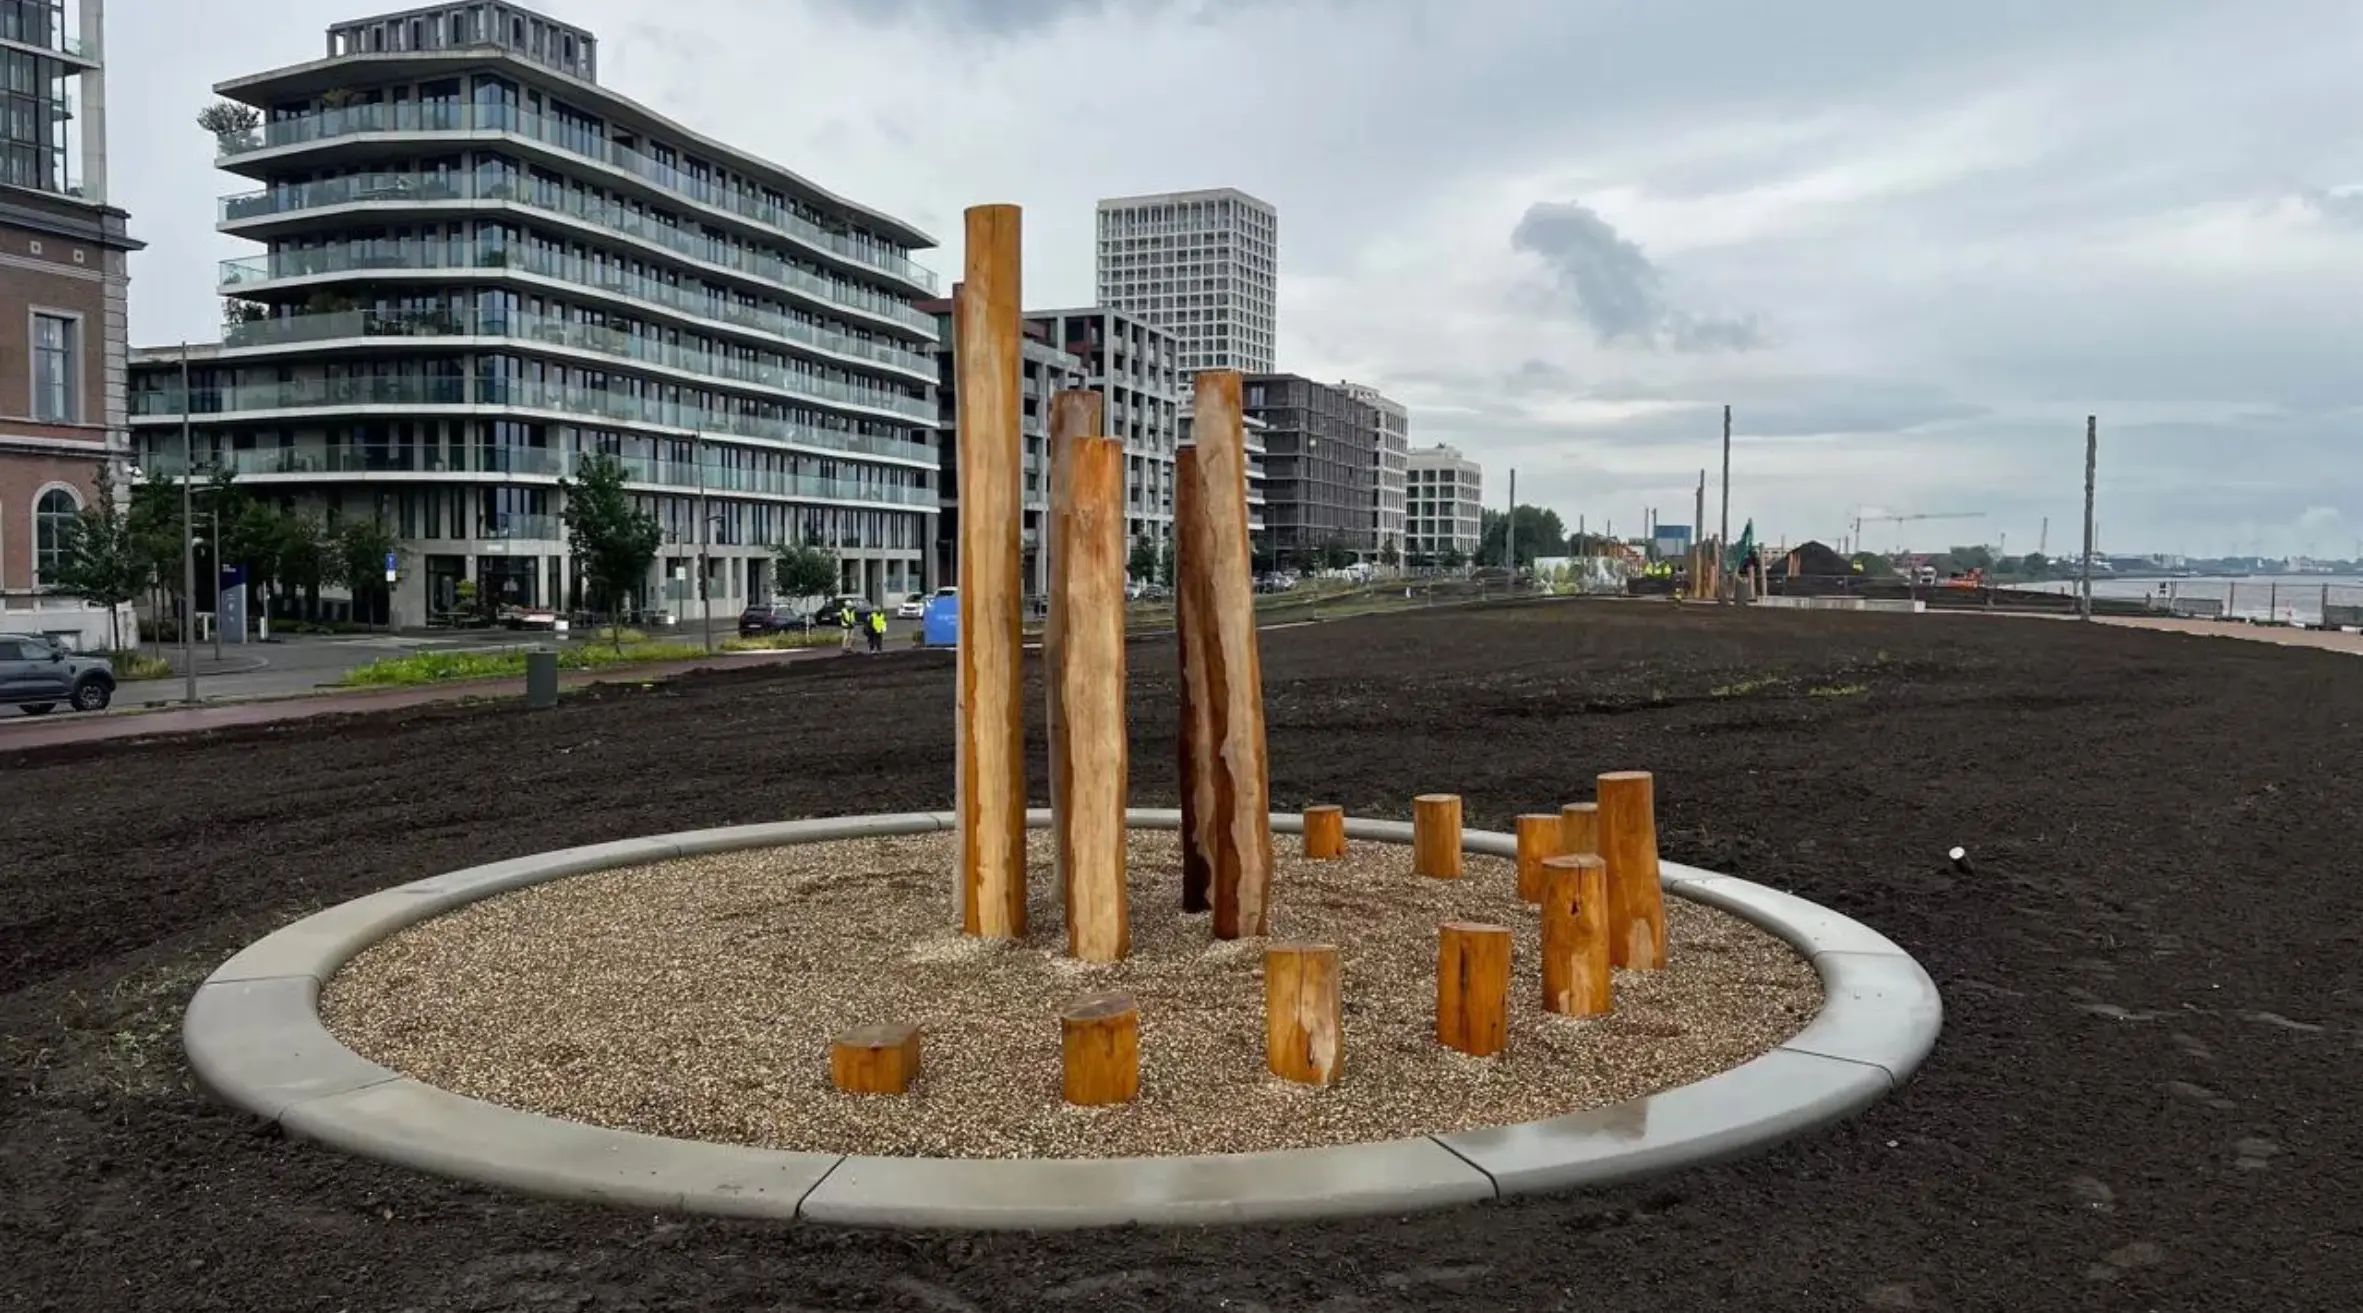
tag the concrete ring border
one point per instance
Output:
(254, 1037)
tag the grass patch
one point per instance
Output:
(138, 665)
(496, 663)
(1745, 687)
(1838, 691)
(780, 642)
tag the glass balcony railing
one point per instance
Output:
(456, 116)
(411, 188)
(381, 256)
(549, 329)
(621, 407)
(538, 462)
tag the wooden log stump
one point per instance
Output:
(1473, 987)
(1577, 981)
(1435, 835)
(1579, 828)
(1099, 1041)
(1628, 843)
(1195, 741)
(989, 749)
(1304, 1035)
(1087, 585)
(1540, 835)
(1229, 661)
(875, 1059)
(1325, 832)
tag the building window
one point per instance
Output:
(56, 394)
(53, 530)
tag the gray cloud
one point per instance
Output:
(2342, 206)
(1614, 287)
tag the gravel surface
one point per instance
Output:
(697, 999)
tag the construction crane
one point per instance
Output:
(1899, 521)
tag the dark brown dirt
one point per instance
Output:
(2142, 1100)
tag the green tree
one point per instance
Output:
(229, 121)
(1872, 565)
(356, 560)
(1540, 533)
(1452, 559)
(1972, 558)
(1167, 563)
(303, 559)
(806, 570)
(1388, 554)
(1143, 565)
(615, 540)
(105, 564)
(1335, 555)
(2035, 565)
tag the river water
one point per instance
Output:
(2290, 598)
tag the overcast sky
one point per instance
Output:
(1912, 244)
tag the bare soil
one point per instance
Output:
(2143, 1099)
(698, 999)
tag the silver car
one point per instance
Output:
(37, 674)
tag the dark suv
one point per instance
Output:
(37, 674)
(769, 618)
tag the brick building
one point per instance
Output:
(63, 277)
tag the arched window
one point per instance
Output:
(53, 529)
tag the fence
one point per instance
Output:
(2291, 601)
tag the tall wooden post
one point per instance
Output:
(1075, 414)
(1628, 844)
(1540, 835)
(1196, 736)
(1087, 590)
(1225, 656)
(991, 741)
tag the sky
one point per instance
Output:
(1913, 246)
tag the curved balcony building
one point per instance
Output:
(479, 267)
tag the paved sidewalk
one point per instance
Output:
(2327, 640)
(47, 731)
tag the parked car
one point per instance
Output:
(37, 674)
(770, 618)
(833, 612)
(914, 607)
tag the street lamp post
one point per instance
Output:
(705, 524)
(188, 544)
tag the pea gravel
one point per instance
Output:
(697, 998)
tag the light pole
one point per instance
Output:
(188, 544)
(705, 526)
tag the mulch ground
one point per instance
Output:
(2142, 1099)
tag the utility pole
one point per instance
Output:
(2091, 463)
(1510, 532)
(1698, 512)
(188, 544)
(1723, 534)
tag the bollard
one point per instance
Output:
(541, 680)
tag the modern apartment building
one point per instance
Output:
(483, 267)
(1392, 456)
(1045, 371)
(1203, 266)
(63, 278)
(1253, 431)
(1320, 466)
(1131, 364)
(1444, 506)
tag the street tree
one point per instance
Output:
(615, 540)
(1143, 565)
(1388, 554)
(105, 564)
(805, 570)
(356, 557)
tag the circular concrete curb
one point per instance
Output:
(254, 1037)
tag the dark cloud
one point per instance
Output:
(1608, 282)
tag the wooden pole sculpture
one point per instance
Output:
(1628, 842)
(1087, 580)
(1099, 1043)
(1473, 988)
(1435, 835)
(1226, 658)
(990, 745)
(879, 1059)
(1579, 828)
(1196, 737)
(1304, 1037)
(1075, 414)
(1325, 832)
(1577, 981)
(1540, 835)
